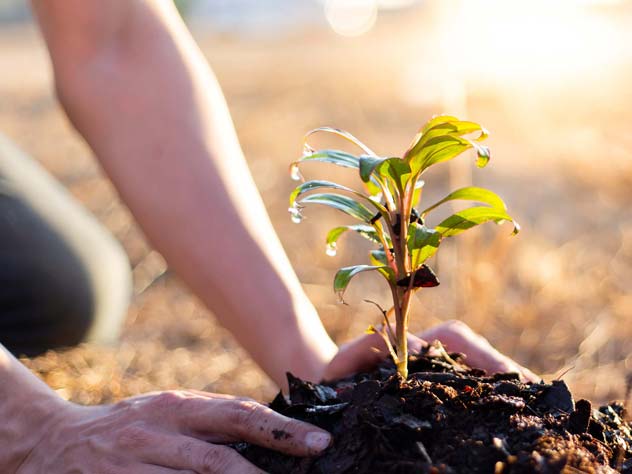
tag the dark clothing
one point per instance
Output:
(45, 297)
(63, 278)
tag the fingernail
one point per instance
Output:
(317, 441)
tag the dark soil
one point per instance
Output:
(448, 418)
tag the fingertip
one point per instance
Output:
(529, 376)
(317, 441)
(415, 344)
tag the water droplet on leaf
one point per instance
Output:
(331, 249)
(295, 173)
(297, 217)
(308, 150)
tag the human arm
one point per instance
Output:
(26, 404)
(160, 433)
(138, 89)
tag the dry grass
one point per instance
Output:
(557, 297)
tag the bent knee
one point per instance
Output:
(44, 308)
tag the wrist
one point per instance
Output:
(312, 349)
(27, 409)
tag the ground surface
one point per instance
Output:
(558, 297)
(449, 419)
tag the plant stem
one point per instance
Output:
(401, 265)
(402, 297)
(388, 198)
(387, 251)
(400, 335)
(404, 220)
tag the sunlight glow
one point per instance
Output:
(356, 17)
(513, 44)
(535, 39)
(351, 17)
(395, 4)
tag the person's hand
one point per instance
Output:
(362, 354)
(457, 336)
(168, 432)
(367, 351)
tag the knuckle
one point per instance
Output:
(216, 460)
(245, 413)
(457, 327)
(167, 401)
(186, 450)
(131, 406)
(135, 436)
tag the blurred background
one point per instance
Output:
(550, 80)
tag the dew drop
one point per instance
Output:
(295, 173)
(297, 217)
(308, 150)
(331, 249)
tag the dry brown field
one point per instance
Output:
(558, 297)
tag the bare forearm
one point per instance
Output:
(26, 404)
(156, 118)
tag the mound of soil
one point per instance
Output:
(449, 418)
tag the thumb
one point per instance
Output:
(364, 353)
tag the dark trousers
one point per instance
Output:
(63, 277)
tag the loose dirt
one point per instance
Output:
(449, 418)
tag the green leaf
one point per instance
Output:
(316, 184)
(341, 133)
(415, 144)
(397, 171)
(367, 165)
(437, 150)
(468, 218)
(344, 276)
(336, 157)
(392, 173)
(365, 231)
(422, 243)
(378, 257)
(443, 125)
(441, 139)
(471, 193)
(417, 192)
(342, 203)
(455, 128)
(366, 168)
(438, 120)
(394, 169)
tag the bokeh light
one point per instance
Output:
(511, 44)
(537, 39)
(351, 17)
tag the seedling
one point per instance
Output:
(388, 214)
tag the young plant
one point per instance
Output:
(388, 214)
